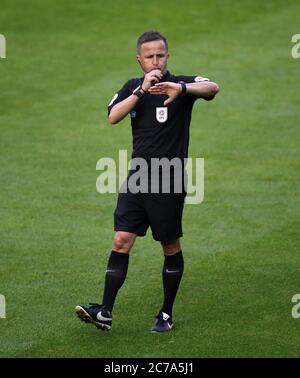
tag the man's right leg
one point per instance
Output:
(117, 267)
(101, 314)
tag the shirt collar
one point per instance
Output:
(166, 76)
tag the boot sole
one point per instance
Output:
(85, 317)
(153, 330)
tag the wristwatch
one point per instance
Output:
(183, 87)
(139, 92)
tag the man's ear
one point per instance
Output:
(138, 59)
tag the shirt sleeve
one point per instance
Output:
(197, 79)
(123, 93)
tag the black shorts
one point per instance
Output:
(161, 211)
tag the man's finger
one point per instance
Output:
(157, 90)
(154, 91)
(168, 101)
(154, 88)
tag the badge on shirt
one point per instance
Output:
(162, 114)
(199, 79)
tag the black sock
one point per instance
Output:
(172, 273)
(115, 276)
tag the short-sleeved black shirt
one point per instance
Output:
(159, 131)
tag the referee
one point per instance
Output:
(160, 106)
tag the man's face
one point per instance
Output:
(153, 55)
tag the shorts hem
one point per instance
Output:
(167, 239)
(128, 229)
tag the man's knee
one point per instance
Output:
(171, 247)
(123, 241)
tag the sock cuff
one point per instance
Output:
(175, 260)
(118, 258)
(120, 255)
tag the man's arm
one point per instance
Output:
(121, 109)
(205, 89)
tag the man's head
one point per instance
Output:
(152, 51)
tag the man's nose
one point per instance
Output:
(155, 61)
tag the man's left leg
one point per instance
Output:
(171, 275)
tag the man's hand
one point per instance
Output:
(168, 88)
(151, 77)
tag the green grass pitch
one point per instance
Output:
(64, 61)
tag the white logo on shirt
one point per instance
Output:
(162, 114)
(200, 78)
